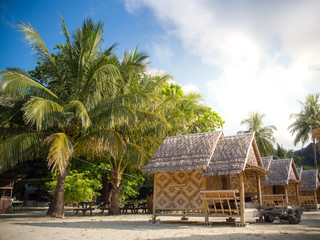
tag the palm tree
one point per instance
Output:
(74, 114)
(263, 134)
(307, 120)
(136, 138)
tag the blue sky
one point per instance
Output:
(241, 55)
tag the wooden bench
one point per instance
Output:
(143, 206)
(84, 207)
(104, 206)
(221, 202)
(129, 206)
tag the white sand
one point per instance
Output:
(32, 225)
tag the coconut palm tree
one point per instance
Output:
(307, 120)
(263, 134)
(74, 115)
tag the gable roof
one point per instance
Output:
(282, 172)
(267, 162)
(187, 152)
(310, 179)
(300, 170)
(232, 154)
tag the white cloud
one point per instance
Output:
(162, 52)
(190, 88)
(268, 54)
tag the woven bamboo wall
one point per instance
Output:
(267, 190)
(179, 190)
(306, 193)
(250, 186)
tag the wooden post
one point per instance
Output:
(316, 200)
(286, 195)
(154, 196)
(259, 188)
(242, 199)
(297, 194)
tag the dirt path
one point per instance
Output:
(32, 225)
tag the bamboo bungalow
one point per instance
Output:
(192, 174)
(281, 185)
(309, 191)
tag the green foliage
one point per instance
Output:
(130, 186)
(280, 152)
(307, 119)
(263, 134)
(172, 90)
(206, 120)
(78, 187)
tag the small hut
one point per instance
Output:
(309, 191)
(192, 174)
(6, 188)
(281, 185)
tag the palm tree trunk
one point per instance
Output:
(56, 208)
(114, 207)
(315, 153)
(106, 188)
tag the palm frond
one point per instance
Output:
(35, 41)
(81, 113)
(64, 29)
(19, 148)
(99, 142)
(16, 82)
(60, 151)
(42, 113)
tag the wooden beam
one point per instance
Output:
(154, 195)
(286, 195)
(316, 200)
(242, 198)
(297, 194)
(258, 188)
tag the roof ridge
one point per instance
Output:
(282, 159)
(192, 134)
(238, 135)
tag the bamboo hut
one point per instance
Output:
(192, 174)
(309, 191)
(281, 185)
(6, 188)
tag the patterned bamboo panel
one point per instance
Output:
(307, 201)
(250, 186)
(267, 190)
(179, 190)
(215, 182)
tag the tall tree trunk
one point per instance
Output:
(315, 153)
(56, 208)
(114, 206)
(106, 188)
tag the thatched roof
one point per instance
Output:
(267, 162)
(187, 152)
(310, 179)
(282, 172)
(232, 154)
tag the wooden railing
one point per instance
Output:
(307, 201)
(222, 202)
(274, 201)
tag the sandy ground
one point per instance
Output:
(33, 225)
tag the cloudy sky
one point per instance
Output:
(241, 55)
